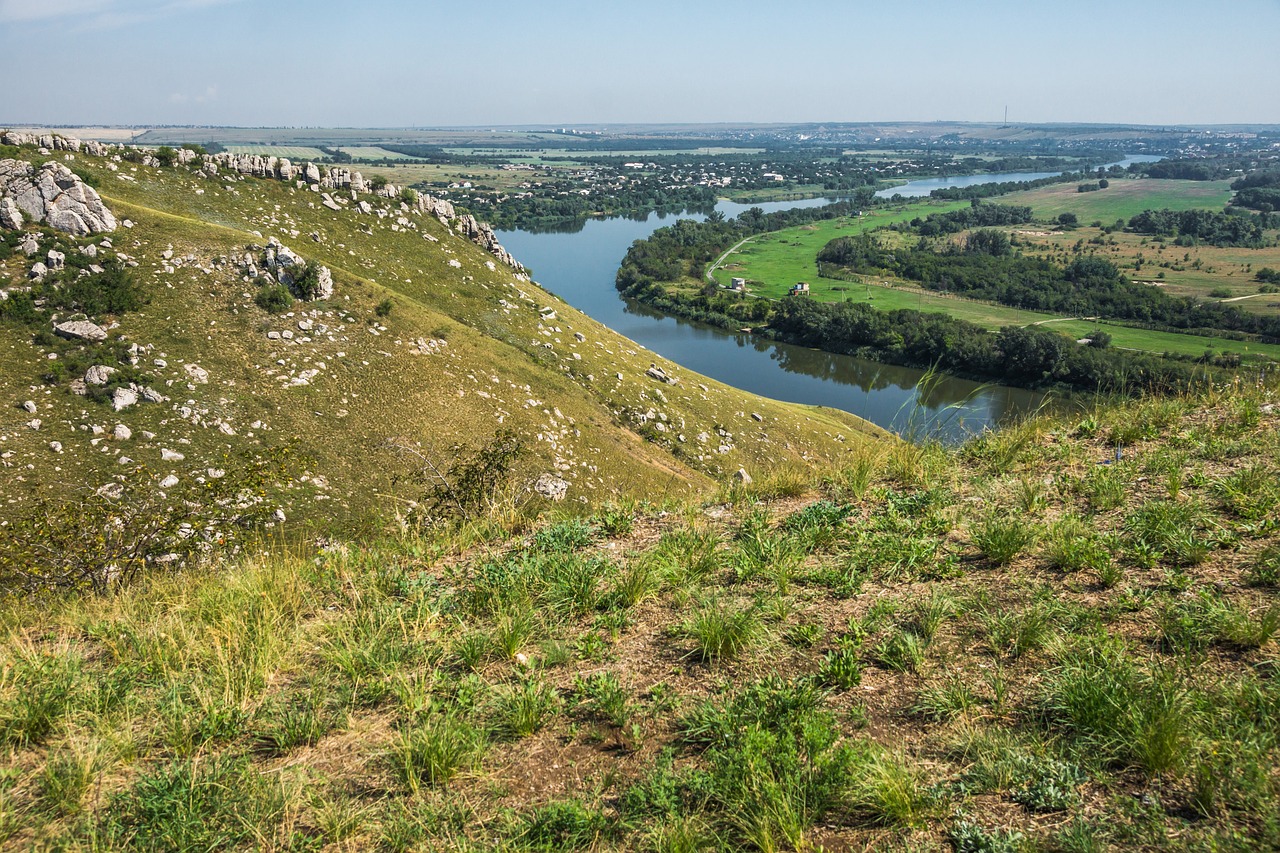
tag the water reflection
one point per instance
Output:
(579, 265)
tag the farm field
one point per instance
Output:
(1124, 198)
(775, 261)
(523, 152)
(293, 152)
(367, 152)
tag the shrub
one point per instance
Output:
(470, 486)
(384, 308)
(108, 537)
(273, 298)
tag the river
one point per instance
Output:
(579, 267)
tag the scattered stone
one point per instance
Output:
(169, 482)
(756, 416)
(34, 424)
(655, 372)
(56, 260)
(122, 433)
(197, 374)
(111, 491)
(38, 270)
(168, 455)
(55, 446)
(29, 245)
(29, 406)
(741, 476)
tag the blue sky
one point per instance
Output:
(562, 62)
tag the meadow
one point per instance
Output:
(1123, 199)
(773, 262)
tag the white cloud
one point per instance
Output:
(99, 13)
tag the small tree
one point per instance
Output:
(470, 486)
(117, 533)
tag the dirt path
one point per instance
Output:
(727, 253)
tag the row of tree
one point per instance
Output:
(986, 267)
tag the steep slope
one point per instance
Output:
(466, 346)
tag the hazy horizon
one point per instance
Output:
(246, 63)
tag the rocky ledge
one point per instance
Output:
(51, 194)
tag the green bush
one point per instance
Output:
(273, 298)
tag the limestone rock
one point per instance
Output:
(552, 487)
(741, 476)
(29, 407)
(324, 284)
(198, 374)
(10, 216)
(169, 482)
(171, 455)
(99, 374)
(123, 398)
(122, 433)
(55, 195)
(81, 330)
(38, 270)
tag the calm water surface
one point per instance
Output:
(579, 267)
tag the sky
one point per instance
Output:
(497, 63)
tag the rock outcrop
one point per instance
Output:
(481, 233)
(56, 195)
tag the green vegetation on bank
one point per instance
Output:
(1018, 644)
(1023, 356)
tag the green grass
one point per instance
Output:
(414, 692)
(1123, 199)
(773, 262)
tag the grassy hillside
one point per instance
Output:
(427, 343)
(1021, 644)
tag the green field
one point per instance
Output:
(293, 152)
(1123, 199)
(773, 262)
